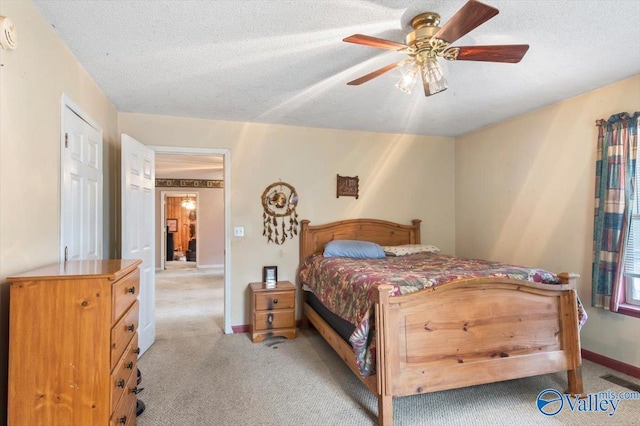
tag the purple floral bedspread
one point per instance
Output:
(346, 286)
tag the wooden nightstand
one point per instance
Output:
(273, 311)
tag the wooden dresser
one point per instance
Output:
(73, 344)
(273, 311)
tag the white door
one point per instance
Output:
(81, 186)
(138, 236)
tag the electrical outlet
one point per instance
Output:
(238, 231)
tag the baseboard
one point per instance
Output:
(210, 266)
(244, 328)
(611, 363)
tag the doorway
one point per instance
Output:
(182, 183)
(181, 234)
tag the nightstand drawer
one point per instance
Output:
(267, 320)
(275, 300)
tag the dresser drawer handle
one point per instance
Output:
(121, 383)
(275, 301)
(131, 290)
(122, 420)
(130, 327)
(270, 318)
(136, 351)
(129, 366)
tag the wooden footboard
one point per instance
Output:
(474, 332)
(463, 333)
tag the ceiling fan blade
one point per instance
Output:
(375, 42)
(376, 73)
(511, 53)
(470, 16)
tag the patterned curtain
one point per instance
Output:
(615, 183)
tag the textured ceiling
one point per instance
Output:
(284, 62)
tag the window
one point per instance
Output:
(630, 293)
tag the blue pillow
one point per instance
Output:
(353, 248)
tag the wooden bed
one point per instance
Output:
(500, 329)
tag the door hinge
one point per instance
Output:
(66, 140)
(66, 253)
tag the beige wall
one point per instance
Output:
(524, 194)
(402, 177)
(32, 80)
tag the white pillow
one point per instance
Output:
(406, 249)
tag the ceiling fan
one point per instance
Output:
(428, 41)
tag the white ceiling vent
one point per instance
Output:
(8, 34)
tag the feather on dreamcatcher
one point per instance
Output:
(279, 201)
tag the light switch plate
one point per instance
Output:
(238, 231)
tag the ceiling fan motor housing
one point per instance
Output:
(425, 26)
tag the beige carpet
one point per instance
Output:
(196, 375)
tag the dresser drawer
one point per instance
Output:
(125, 292)
(125, 412)
(122, 332)
(274, 300)
(123, 371)
(267, 320)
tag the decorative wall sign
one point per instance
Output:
(279, 201)
(347, 186)
(189, 183)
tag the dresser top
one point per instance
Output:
(111, 269)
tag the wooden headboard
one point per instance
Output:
(313, 238)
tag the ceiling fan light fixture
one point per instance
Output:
(432, 71)
(409, 78)
(433, 76)
(437, 87)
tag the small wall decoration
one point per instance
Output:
(172, 225)
(270, 276)
(347, 186)
(279, 202)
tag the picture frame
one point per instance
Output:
(270, 276)
(347, 186)
(172, 225)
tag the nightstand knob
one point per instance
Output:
(121, 383)
(122, 420)
(129, 366)
(130, 327)
(270, 318)
(131, 290)
(136, 351)
(275, 301)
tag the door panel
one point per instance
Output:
(138, 238)
(81, 188)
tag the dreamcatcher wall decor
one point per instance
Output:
(280, 219)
